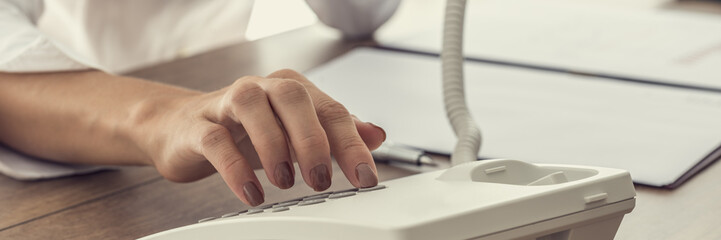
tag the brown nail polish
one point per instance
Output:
(365, 175)
(252, 194)
(320, 177)
(379, 128)
(284, 175)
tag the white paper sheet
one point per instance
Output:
(656, 132)
(647, 44)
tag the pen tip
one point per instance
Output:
(427, 160)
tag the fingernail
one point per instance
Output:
(252, 194)
(320, 177)
(365, 175)
(283, 175)
(379, 128)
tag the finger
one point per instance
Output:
(346, 145)
(372, 135)
(218, 147)
(348, 148)
(250, 106)
(294, 108)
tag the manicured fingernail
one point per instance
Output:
(320, 177)
(252, 194)
(365, 175)
(379, 128)
(283, 175)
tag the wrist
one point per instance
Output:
(151, 123)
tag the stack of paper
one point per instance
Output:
(658, 133)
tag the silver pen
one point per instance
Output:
(390, 152)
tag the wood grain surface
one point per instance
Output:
(26, 201)
(693, 211)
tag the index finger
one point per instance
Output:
(346, 145)
(218, 146)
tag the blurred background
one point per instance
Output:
(268, 18)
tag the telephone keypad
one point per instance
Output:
(299, 202)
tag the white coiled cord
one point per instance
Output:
(468, 134)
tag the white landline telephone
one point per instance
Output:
(484, 200)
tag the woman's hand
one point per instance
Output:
(281, 118)
(91, 117)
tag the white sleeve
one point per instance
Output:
(355, 18)
(23, 167)
(23, 48)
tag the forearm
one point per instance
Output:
(97, 118)
(80, 117)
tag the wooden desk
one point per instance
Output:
(136, 201)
